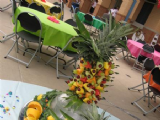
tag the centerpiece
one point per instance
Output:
(89, 80)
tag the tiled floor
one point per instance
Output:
(119, 98)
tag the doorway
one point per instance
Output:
(145, 11)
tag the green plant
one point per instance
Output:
(93, 114)
(102, 48)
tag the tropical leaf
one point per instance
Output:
(83, 31)
(66, 116)
(103, 47)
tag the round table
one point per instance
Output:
(98, 24)
(53, 34)
(46, 5)
(135, 47)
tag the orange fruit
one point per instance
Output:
(50, 118)
(33, 113)
(29, 118)
(35, 105)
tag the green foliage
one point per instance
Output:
(49, 112)
(73, 100)
(103, 47)
(66, 116)
(93, 114)
(46, 102)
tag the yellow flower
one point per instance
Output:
(39, 97)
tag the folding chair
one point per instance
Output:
(141, 41)
(62, 10)
(6, 7)
(24, 3)
(39, 8)
(77, 10)
(74, 56)
(55, 11)
(155, 73)
(140, 59)
(61, 5)
(157, 47)
(31, 23)
(9, 36)
(122, 50)
(148, 65)
(72, 21)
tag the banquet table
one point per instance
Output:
(46, 5)
(152, 83)
(98, 24)
(53, 34)
(15, 94)
(135, 47)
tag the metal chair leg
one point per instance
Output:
(143, 87)
(32, 57)
(57, 68)
(11, 49)
(7, 37)
(6, 7)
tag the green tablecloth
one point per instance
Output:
(53, 34)
(98, 24)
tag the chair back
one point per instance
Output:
(141, 58)
(72, 42)
(124, 39)
(148, 49)
(29, 21)
(62, 10)
(77, 10)
(56, 3)
(98, 18)
(141, 41)
(24, 3)
(156, 75)
(157, 47)
(39, 8)
(14, 6)
(155, 40)
(55, 9)
(72, 12)
(148, 64)
(88, 17)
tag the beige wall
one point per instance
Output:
(112, 4)
(104, 3)
(153, 20)
(125, 6)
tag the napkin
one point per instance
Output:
(53, 19)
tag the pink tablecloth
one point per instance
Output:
(135, 47)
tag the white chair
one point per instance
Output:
(155, 39)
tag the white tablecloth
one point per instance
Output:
(21, 94)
